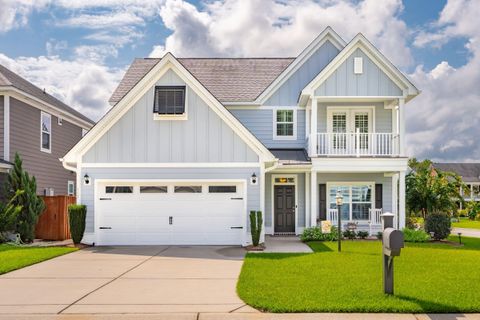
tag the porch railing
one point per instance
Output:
(356, 144)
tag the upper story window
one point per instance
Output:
(46, 132)
(169, 102)
(285, 124)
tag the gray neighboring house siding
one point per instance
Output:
(287, 94)
(87, 192)
(137, 137)
(260, 123)
(1, 126)
(372, 82)
(383, 117)
(25, 139)
(300, 213)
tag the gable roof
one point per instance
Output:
(10, 79)
(470, 172)
(359, 41)
(228, 79)
(140, 88)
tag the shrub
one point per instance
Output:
(8, 216)
(440, 224)
(473, 209)
(415, 222)
(362, 234)
(462, 212)
(76, 218)
(256, 222)
(412, 235)
(32, 205)
(315, 234)
(349, 234)
(379, 235)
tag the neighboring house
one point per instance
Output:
(192, 145)
(470, 174)
(41, 129)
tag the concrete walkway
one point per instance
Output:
(475, 233)
(105, 280)
(289, 244)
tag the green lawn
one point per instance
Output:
(15, 257)
(466, 223)
(428, 278)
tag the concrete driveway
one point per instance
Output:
(149, 279)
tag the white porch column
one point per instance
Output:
(401, 201)
(6, 127)
(262, 200)
(307, 200)
(313, 198)
(313, 128)
(395, 195)
(401, 124)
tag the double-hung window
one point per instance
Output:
(284, 124)
(169, 102)
(357, 200)
(46, 132)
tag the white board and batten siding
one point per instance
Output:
(372, 81)
(138, 138)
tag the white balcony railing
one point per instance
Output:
(356, 144)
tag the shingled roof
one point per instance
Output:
(470, 172)
(228, 79)
(9, 78)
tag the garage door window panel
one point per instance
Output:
(188, 189)
(119, 189)
(222, 189)
(153, 189)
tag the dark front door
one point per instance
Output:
(284, 208)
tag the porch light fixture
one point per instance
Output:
(339, 201)
(253, 179)
(86, 179)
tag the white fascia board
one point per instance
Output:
(359, 41)
(172, 165)
(43, 106)
(359, 165)
(326, 35)
(141, 88)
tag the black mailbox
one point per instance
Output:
(392, 242)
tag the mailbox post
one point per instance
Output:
(392, 243)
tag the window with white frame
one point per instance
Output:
(285, 124)
(46, 132)
(71, 188)
(357, 200)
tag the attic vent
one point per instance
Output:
(358, 65)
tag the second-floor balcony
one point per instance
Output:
(355, 144)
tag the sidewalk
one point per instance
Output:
(474, 233)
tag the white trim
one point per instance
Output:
(350, 184)
(43, 106)
(245, 240)
(146, 83)
(171, 117)
(44, 114)
(295, 184)
(401, 201)
(373, 54)
(294, 122)
(328, 34)
(307, 199)
(262, 200)
(401, 124)
(350, 112)
(257, 107)
(6, 127)
(70, 183)
(357, 65)
(172, 165)
(348, 165)
(313, 198)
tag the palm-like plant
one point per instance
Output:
(430, 190)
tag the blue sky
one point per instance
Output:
(79, 49)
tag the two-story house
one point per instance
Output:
(41, 129)
(191, 145)
(470, 174)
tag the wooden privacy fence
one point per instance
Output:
(53, 223)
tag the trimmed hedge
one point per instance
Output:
(76, 218)
(256, 222)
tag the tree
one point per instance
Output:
(32, 205)
(8, 215)
(431, 190)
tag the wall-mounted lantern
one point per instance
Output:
(253, 179)
(86, 180)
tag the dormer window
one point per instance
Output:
(169, 103)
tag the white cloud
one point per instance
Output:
(53, 46)
(96, 54)
(272, 28)
(85, 86)
(157, 52)
(14, 14)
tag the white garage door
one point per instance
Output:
(186, 213)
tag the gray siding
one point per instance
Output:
(383, 117)
(358, 177)
(137, 137)
(287, 94)
(87, 194)
(260, 123)
(372, 82)
(301, 200)
(25, 139)
(1, 126)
